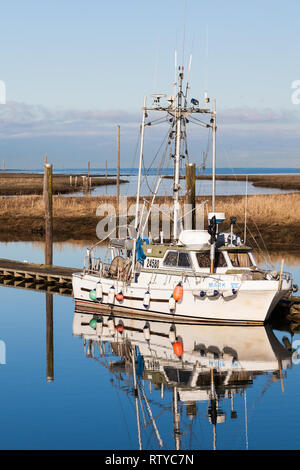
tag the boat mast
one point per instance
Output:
(214, 129)
(136, 222)
(178, 117)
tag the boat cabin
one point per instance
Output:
(196, 257)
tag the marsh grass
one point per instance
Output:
(282, 209)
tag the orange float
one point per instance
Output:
(178, 349)
(178, 292)
(120, 328)
(120, 297)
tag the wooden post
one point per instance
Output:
(118, 179)
(190, 182)
(280, 275)
(49, 337)
(89, 167)
(48, 214)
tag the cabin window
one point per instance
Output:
(203, 259)
(171, 259)
(177, 259)
(220, 261)
(184, 260)
(240, 260)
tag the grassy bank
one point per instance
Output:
(14, 184)
(275, 217)
(283, 182)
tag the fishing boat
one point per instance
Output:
(198, 275)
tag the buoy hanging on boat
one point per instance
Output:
(93, 323)
(99, 326)
(92, 294)
(178, 292)
(111, 325)
(202, 293)
(212, 293)
(146, 301)
(178, 348)
(147, 332)
(172, 334)
(172, 304)
(120, 327)
(120, 296)
(99, 291)
(111, 295)
(227, 294)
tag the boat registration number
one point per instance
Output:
(152, 263)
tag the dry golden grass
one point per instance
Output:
(283, 209)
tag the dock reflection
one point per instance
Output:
(196, 365)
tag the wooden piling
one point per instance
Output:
(190, 181)
(48, 214)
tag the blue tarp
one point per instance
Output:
(140, 255)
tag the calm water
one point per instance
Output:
(149, 181)
(90, 404)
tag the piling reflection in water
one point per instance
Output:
(197, 364)
(49, 338)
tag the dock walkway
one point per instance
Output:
(22, 274)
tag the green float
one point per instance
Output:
(93, 323)
(93, 295)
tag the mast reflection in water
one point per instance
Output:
(196, 365)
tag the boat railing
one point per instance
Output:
(95, 265)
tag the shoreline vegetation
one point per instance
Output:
(282, 182)
(16, 184)
(273, 221)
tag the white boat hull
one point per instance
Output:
(252, 304)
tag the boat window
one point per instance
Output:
(171, 259)
(220, 261)
(184, 260)
(203, 259)
(240, 260)
(178, 376)
(177, 259)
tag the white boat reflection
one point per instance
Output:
(199, 363)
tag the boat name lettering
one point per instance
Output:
(221, 363)
(217, 284)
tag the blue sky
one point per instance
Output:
(75, 69)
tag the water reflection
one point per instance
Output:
(194, 364)
(49, 337)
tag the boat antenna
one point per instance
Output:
(206, 69)
(188, 80)
(175, 77)
(184, 28)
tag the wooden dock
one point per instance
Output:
(37, 277)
